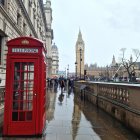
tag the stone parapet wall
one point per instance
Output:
(119, 100)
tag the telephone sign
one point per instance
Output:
(25, 50)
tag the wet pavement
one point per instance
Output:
(68, 118)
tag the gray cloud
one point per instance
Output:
(106, 25)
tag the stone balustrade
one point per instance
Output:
(115, 93)
(120, 100)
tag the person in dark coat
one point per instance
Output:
(62, 85)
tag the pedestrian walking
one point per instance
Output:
(62, 85)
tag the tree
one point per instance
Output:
(129, 64)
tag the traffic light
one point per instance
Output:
(85, 72)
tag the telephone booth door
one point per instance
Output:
(23, 99)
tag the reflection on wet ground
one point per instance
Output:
(70, 119)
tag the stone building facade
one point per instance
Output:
(55, 60)
(49, 36)
(80, 51)
(24, 18)
(111, 70)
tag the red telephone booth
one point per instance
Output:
(25, 98)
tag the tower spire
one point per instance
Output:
(113, 61)
(80, 36)
(131, 59)
(48, 1)
(48, 4)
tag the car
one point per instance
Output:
(125, 79)
(138, 79)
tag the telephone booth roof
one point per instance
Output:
(25, 41)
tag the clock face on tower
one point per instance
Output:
(80, 47)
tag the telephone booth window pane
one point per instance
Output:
(17, 76)
(30, 84)
(29, 115)
(15, 116)
(30, 76)
(30, 97)
(15, 106)
(24, 95)
(23, 89)
(24, 75)
(30, 88)
(17, 66)
(22, 105)
(29, 106)
(16, 95)
(24, 66)
(25, 83)
(31, 66)
(21, 116)
(16, 85)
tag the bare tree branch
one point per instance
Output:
(129, 65)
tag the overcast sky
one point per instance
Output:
(106, 26)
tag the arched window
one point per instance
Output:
(18, 18)
(0, 47)
(24, 28)
(2, 2)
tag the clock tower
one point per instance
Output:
(80, 50)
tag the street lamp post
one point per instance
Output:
(76, 69)
(80, 61)
(65, 73)
(68, 71)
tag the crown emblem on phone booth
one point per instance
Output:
(25, 42)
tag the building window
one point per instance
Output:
(23, 1)
(24, 28)
(29, 7)
(2, 2)
(0, 47)
(18, 18)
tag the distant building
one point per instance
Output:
(62, 73)
(71, 74)
(93, 70)
(112, 70)
(137, 69)
(55, 60)
(120, 70)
